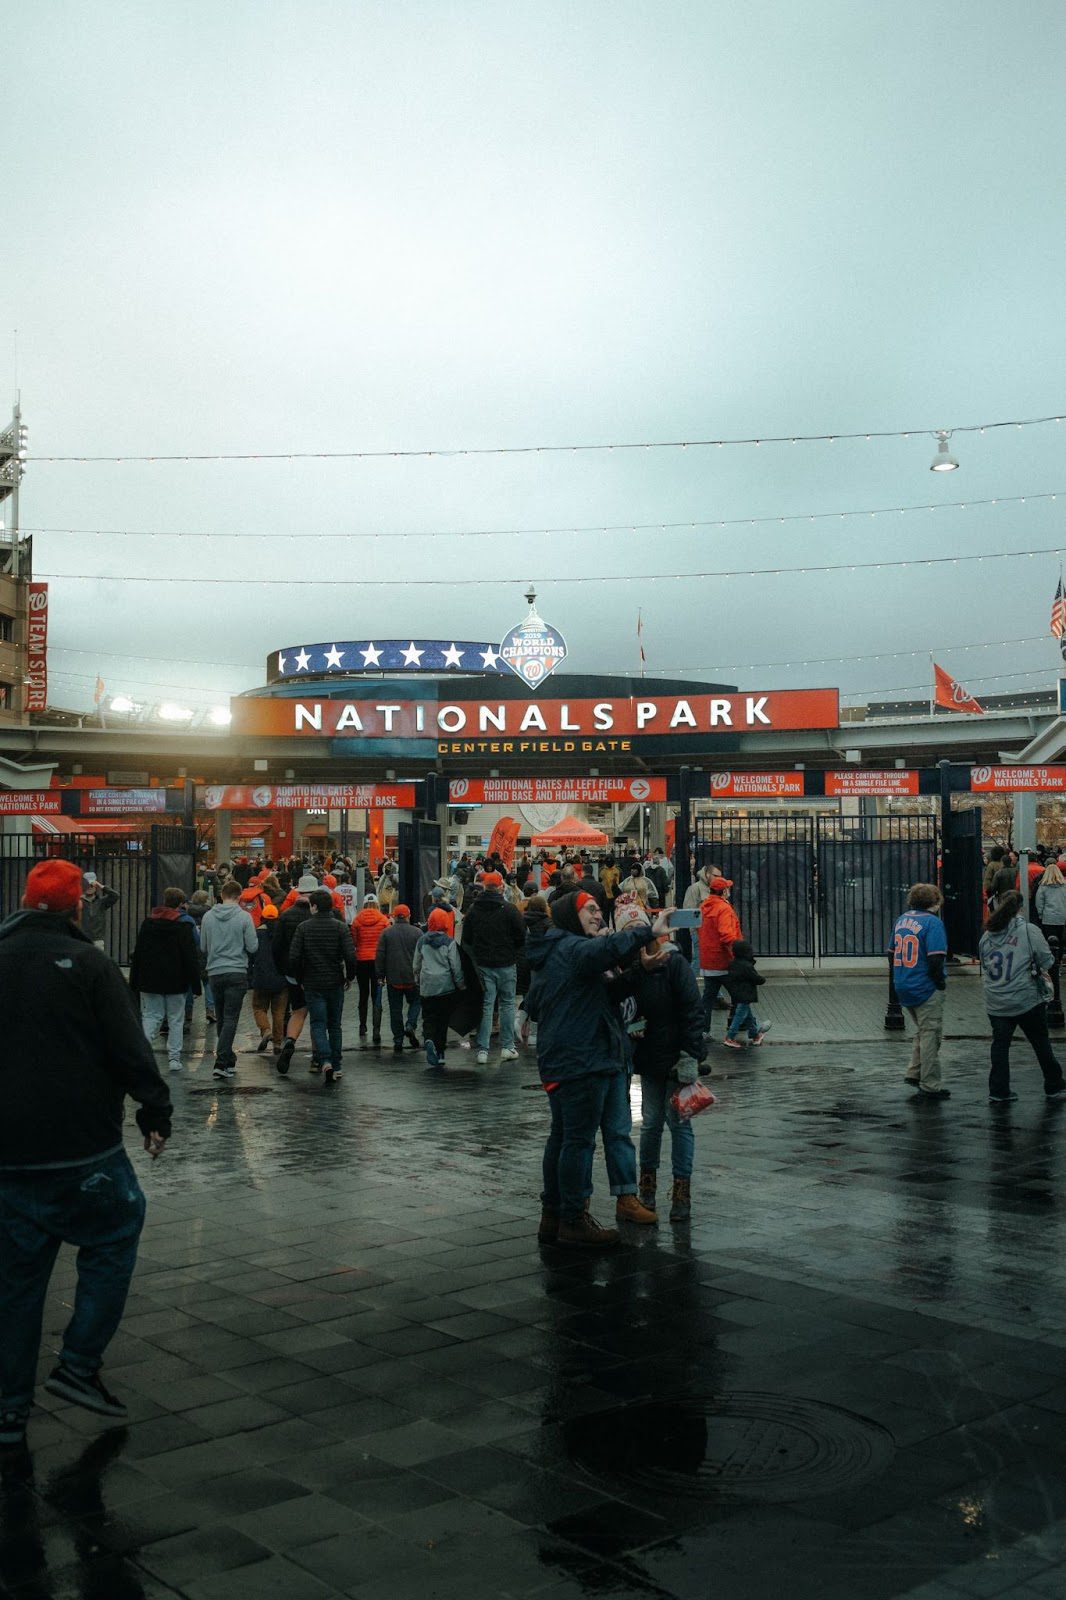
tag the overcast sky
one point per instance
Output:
(329, 225)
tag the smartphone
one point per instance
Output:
(682, 917)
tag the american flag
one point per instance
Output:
(1058, 617)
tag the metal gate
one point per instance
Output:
(771, 862)
(814, 886)
(121, 863)
(865, 867)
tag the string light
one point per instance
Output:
(555, 579)
(537, 449)
(529, 533)
(864, 696)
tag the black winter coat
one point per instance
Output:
(579, 1026)
(166, 957)
(493, 931)
(742, 982)
(266, 979)
(667, 999)
(74, 1048)
(285, 932)
(322, 955)
(395, 955)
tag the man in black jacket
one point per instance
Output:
(164, 966)
(322, 957)
(73, 1049)
(494, 936)
(394, 964)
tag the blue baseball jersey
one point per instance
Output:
(916, 936)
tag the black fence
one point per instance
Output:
(136, 866)
(807, 885)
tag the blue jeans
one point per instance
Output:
(414, 1011)
(499, 984)
(324, 1007)
(157, 1008)
(579, 1108)
(100, 1208)
(656, 1111)
(743, 1017)
(229, 989)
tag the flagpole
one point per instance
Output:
(932, 686)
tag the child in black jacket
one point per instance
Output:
(742, 982)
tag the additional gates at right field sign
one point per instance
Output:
(807, 886)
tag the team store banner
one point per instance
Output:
(36, 646)
(554, 791)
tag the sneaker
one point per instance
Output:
(328, 1075)
(1002, 1099)
(412, 1039)
(432, 1055)
(175, 1066)
(732, 1044)
(362, 1033)
(338, 1074)
(209, 1016)
(87, 1392)
(285, 1055)
(12, 1430)
(933, 1094)
(376, 1041)
(1055, 1094)
(761, 1035)
(397, 1048)
(482, 1058)
(261, 1047)
(912, 1083)
(219, 1072)
(229, 1072)
(314, 1065)
(629, 1209)
(508, 1055)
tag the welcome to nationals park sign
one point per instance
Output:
(522, 721)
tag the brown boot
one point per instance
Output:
(587, 1232)
(681, 1200)
(647, 1188)
(629, 1209)
(548, 1231)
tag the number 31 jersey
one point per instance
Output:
(917, 935)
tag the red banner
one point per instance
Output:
(755, 785)
(554, 791)
(656, 716)
(1004, 780)
(30, 802)
(36, 646)
(856, 781)
(311, 797)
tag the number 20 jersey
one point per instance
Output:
(917, 935)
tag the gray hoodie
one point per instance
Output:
(438, 969)
(227, 938)
(1009, 987)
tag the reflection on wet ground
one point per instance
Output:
(351, 1369)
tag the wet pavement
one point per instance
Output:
(352, 1371)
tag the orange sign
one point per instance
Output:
(998, 780)
(755, 785)
(553, 791)
(656, 716)
(310, 797)
(856, 781)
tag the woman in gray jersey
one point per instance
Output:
(1015, 961)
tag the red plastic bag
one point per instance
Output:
(691, 1099)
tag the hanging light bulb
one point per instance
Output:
(943, 461)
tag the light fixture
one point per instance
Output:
(122, 703)
(169, 712)
(943, 461)
(220, 716)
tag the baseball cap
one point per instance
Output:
(90, 877)
(720, 883)
(53, 886)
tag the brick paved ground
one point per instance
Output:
(352, 1370)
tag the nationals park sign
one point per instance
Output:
(525, 726)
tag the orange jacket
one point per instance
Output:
(252, 900)
(718, 931)
(369, 925)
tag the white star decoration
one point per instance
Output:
(334, 657)
(371, 655)
(412, 657)
(453, 657)
(281, 661)
(303, 661)
(490, 657)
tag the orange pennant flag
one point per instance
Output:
(951, 695)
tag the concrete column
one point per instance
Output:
(657, 823)
(223, 836)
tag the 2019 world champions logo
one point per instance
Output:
(534, 648)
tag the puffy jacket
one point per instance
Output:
(493, 931)
(369, 925)
(436, 964)
(74, 1048)
(394, 960)
(742, 980)
(666, 999)
(322, 954)
(252, 900)
(717, 932)
(579, 1026)
(165, 958)
(266, 979)
(1051, 904)
(285, 933)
